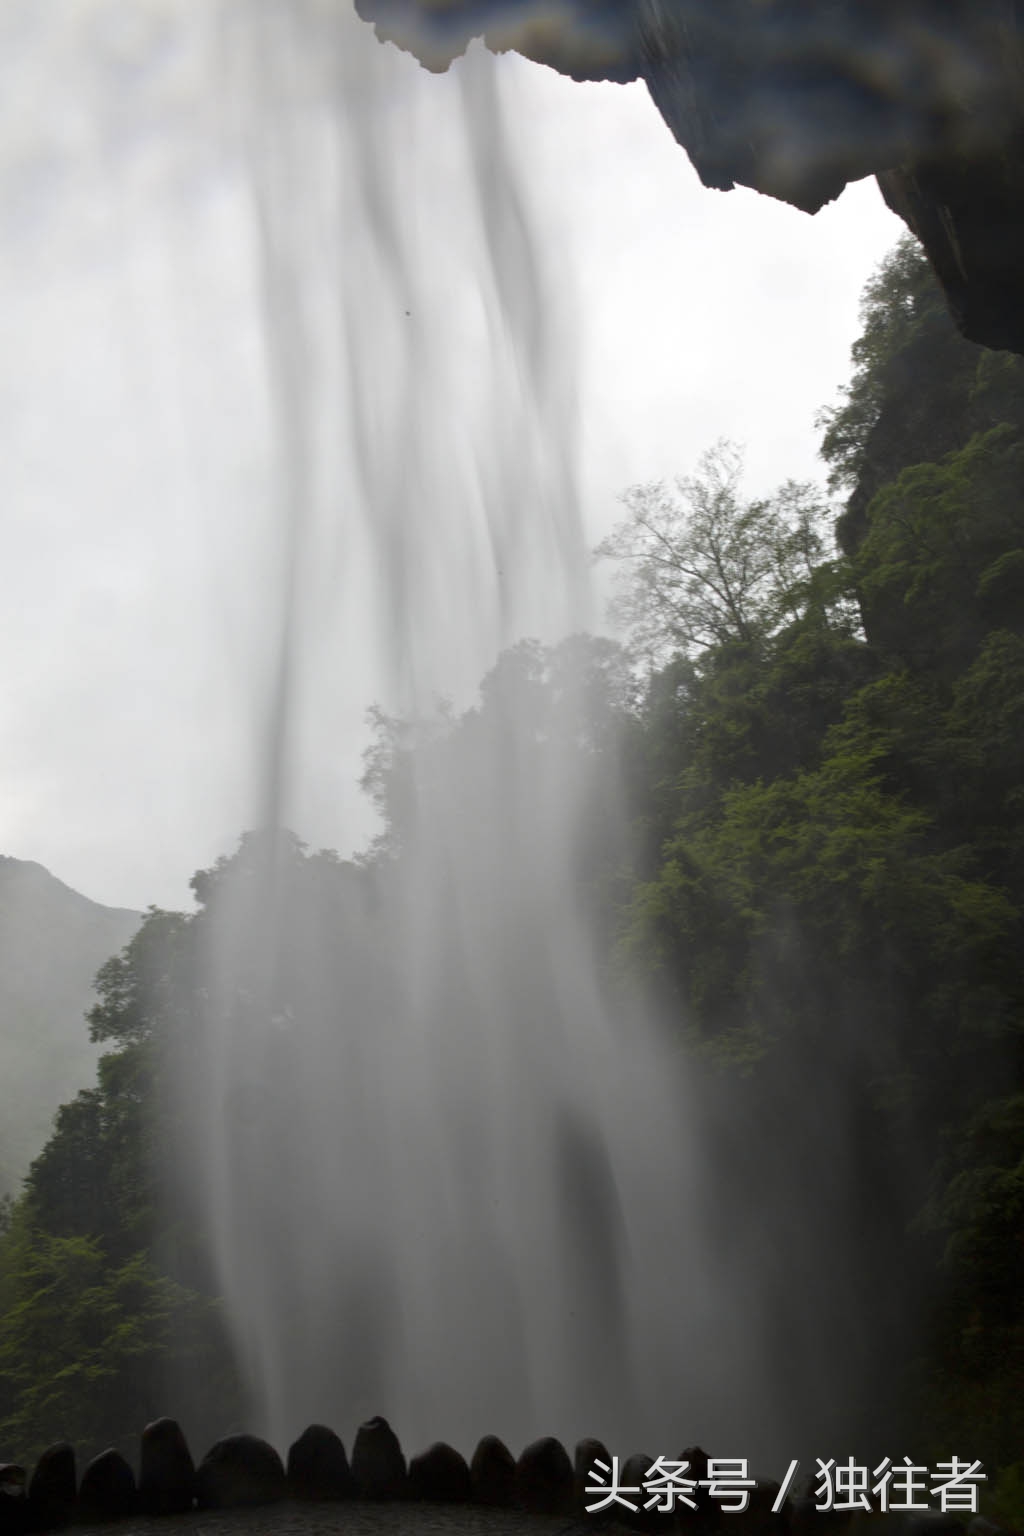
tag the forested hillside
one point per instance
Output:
(52, 942)
(829, 794)
(819, 887)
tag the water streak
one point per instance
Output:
(435, 1196)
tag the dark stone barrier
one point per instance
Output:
(544, 1478)
(240, 1470)
(51, 1493)
(492, 1473)
(318, 1467)
(440, 1476)
(378, 1466)
(167, 1474)
(107, 1490)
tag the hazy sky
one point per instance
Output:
(140, 540)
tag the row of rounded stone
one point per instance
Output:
(245, 1470)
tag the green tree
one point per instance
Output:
(919, 390)
(704, 568)
(942, 558)
(84, 1343)
(103, 1296)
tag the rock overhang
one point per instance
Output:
(797, 98)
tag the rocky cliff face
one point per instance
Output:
(795, 98)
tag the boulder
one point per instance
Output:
(759, 1519)
(492, 1473)
(239, 1470)
(708, 1513)
(318, 1467)
(439, 1476)
(51, 1492)
(378, 1466)
(167, 1474)
(805, 1519)
(932, 1522)
(697, 1462)
(544, 1478)
(586, 1475)
(13, 1504)
(108, 1488)
(634, 1474)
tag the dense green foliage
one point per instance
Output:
(836, 844)
(821, 890)
(95, 1301)
(51, 942)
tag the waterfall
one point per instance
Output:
(464, 1196)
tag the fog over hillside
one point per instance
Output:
(52, 942)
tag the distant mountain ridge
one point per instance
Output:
(52, 942)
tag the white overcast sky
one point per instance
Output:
(137, 528)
